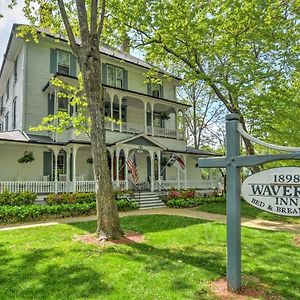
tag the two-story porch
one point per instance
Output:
(67, 167)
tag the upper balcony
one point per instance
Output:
(133, 112)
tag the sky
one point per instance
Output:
(10, 16)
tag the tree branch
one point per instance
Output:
(102, 17)
(83, 21)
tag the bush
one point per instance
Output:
(125, 204)
(121, 194)
(69, 198)
(14, 214)
(193, 202)
(17, 199)
(185, 194)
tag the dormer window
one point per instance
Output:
(63, 62)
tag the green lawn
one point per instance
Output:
(178, 260)
(247, 211)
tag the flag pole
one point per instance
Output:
(166, 165)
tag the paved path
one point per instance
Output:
(253, 223)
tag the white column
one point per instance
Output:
(112, 154)
(117, 167)
(67, 169)
(176, 123)
(120, 112)
(126, 152)
(152, 118)
(111, 112)
(152, 170)
(184, 126)
(145, 117)
(159, 169)
(74, 154)
(178, 179)
(55, 151)
(185, 174)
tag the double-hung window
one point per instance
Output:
(16, 70)
(155, 90)
(7, 89)
(63, 62)
(63, 104)
(114, 76)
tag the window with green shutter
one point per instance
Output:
(155, 90)
(114, 76)
(62, 62)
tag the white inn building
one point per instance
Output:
(62, 162)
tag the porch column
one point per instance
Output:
(176, 123)
(152, 170)
(111, 112)
(55, 152)
(159, 169)
(112, 154)
(185, 175)
(152, 119)
(184, 125)
(117, 167)
(67, 169)
(120, 112)
(126, 152)
(145, 117)
(74, 152)
(178, 179)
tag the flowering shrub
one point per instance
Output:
(183, 194)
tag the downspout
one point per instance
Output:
(24, 86)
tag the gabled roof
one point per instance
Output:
(140, 139)
(104, 49)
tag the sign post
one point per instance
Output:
(233, 162)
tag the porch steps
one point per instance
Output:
(149, 200)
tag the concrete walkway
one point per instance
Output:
(184, 212)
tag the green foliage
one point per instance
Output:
(26, 158)
(122, 193)
(16, 199)
(69, 198)
(193, 202)
(125, 204)
(26, 213)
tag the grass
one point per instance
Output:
(247, 211)
(178, 260)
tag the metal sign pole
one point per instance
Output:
(233, 204)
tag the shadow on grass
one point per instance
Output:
(35, 276)
(147, 223)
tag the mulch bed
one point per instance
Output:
(130, 237)
(259, 291)
(296, 241)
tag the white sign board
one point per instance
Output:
(276, 191)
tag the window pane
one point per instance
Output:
(155, 90)
(63, 62)
(110, 75)
(63, 104)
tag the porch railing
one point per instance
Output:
(47, 187)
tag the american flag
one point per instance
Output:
(176, 161)
(131, 163)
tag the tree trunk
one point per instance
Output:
(108, 222)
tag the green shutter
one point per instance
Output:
(53, 61)
(71, 108)
(149, 88)
(161, 91)
(104, 73)
(73, 71)
(162, 123)
(50, 104)
(125, 72)
(148, 118)
(148, 168)
(47, 164)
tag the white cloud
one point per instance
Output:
(10, 16)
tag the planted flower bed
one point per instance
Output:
(188, 198)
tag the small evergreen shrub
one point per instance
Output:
(17, 199)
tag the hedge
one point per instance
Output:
(34, 212)
(17, 199)
(69, 198)
(193, 202)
